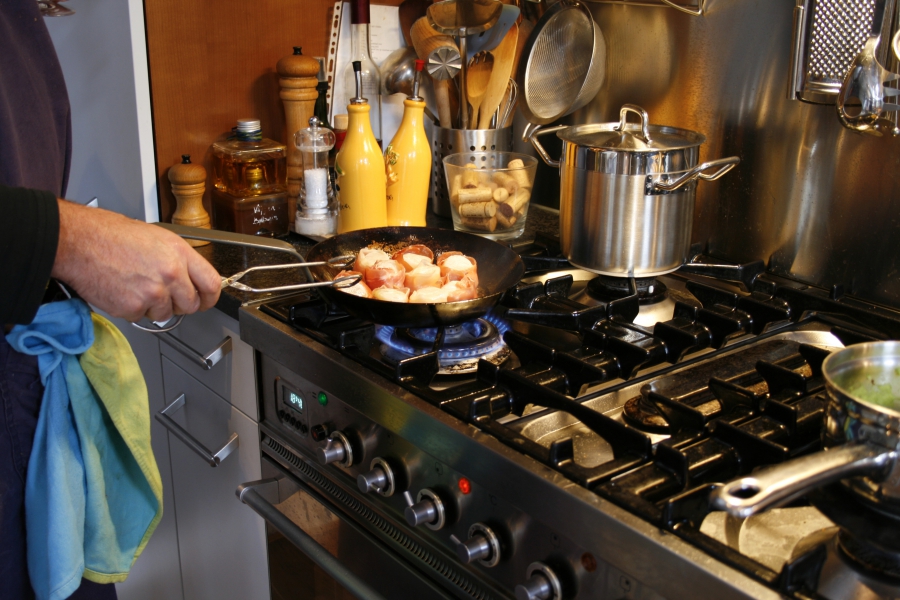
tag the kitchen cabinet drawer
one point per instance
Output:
(222, 545)
(207, 346)
(157, 572)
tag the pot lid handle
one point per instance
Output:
(645, 120)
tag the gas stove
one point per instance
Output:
(566, 444)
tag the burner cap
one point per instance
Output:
(462, 347)
(605, 289)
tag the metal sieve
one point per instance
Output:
(563, 63)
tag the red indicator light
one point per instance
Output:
(464, 486)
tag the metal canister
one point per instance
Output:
(627, 193)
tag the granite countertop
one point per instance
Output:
(229, 260)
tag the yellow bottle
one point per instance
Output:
(360, 170)
(407, 161)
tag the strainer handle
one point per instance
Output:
(531, 135)
(640, 112)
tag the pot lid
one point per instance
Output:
(631, 137)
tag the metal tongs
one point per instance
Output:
(338, 261)
(250, 241)
(865, 81)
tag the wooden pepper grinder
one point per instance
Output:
(299, 76)
(188, 186)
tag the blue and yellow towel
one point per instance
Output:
(93, 494)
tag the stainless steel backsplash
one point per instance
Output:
(819, 202)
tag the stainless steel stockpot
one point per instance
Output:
(862, 438)
(627, 193)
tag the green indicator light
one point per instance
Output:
(323, 399)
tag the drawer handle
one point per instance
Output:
(260, 495)
(207, 361)
(213, 458)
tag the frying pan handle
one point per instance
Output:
(723, 165)
(234, 239)
(531, 134)
(779, 484)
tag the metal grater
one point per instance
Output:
(828, 34)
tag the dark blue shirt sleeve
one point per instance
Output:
(29, 234)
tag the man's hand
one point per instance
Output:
(131, 269)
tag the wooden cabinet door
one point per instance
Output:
(222, 543)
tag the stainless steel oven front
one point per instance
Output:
(365, 539)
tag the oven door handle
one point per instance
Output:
(261, 495)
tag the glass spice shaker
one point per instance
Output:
(318, 208)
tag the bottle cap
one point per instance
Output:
(357, 73)
(341, 121)
(248, 125)
(359, 12)
(420, 64)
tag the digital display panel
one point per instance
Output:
(292, 399)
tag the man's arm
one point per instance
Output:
(129, 268)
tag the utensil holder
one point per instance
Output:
(454, 141)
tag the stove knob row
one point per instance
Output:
(482, 546)
(379, 479)
(542, 584)
(428, 510)
(336, 450)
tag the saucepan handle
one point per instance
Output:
(531, 134)
(722, 166)
(779, 484)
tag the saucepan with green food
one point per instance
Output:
(861, 436)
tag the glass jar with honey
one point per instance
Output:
(249, 178)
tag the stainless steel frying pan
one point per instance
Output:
(499, 268)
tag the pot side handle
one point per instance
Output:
(531, 134)
(723, 165)
(779, 484)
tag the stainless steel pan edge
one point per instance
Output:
(862, 441)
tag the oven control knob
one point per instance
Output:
(336, 450)
(482, 546)
(379, 479)
(319, 432)
(428, 510)
(542, 584)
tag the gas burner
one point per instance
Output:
(606, 289)
(463, 346)
(847, 568)
(641, 413)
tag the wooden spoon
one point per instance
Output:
(478, 76)
(504, 57)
